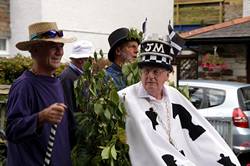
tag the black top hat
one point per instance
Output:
(155, 53)
(117, 38)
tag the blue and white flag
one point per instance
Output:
(176, 41)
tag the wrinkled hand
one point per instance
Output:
(52, 114)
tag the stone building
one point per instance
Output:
(214, 29)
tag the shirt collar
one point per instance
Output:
(75, 68)
(116, 67)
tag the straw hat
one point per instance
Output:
(43, 32)
(82, 49)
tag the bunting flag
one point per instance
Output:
(176, 41)
(178, 137)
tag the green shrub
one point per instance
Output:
(101, 124)
(12, 68)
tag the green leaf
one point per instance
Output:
(114, 96)
(122, 135)
(105, 153)
(98, 108)
(107, 114)
(134, 34)
(113, 152)
(92, 91)
(121, 107)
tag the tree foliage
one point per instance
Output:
(12, 68)
(101, 123)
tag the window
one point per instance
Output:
(3, 46)
(206, 97)
(244, 98)
(215, 97)
(196, 95)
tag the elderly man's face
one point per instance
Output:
(153, 79)
(128, 51)
(79, 62)
(48, 55)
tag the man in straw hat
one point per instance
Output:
(124, 44)
(162, 126)
(82, 50)
(36, 103)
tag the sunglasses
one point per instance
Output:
(47, 35)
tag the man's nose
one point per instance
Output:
(151, 75)
(136, 50)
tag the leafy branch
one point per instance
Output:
(100, 132)
(133, 34)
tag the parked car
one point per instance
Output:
(226, 100)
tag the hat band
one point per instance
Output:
(156, 54)
(156, 59)
(47, 35)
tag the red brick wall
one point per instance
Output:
(4, 18)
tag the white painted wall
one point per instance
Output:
(94, 20)
(22, 14)
(246, 8)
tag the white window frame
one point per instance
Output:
(5, 52)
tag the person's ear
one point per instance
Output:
(118, 51)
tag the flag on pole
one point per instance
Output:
(176, 41)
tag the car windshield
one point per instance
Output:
(244, 98)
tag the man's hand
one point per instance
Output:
(52, 114)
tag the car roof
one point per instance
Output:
(213, 83)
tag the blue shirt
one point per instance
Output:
(115, 73)
(27, 143)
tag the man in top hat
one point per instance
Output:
(123, 48)
(36, 103)
(162, 126)
(82, 51)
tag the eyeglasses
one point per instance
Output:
(47, 35)
(156, 71)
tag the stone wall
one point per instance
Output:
(4, 18)
(233, 9)
(246, 8)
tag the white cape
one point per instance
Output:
(196, 142)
